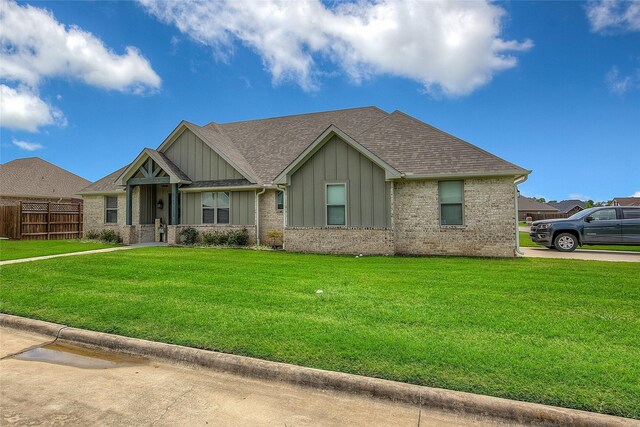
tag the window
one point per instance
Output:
(631, 213)
(451, 196)
(215, 208)
(336, 204)
(111, 209)
(604, 214)
(280, 200)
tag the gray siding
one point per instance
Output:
(198, 161)
(242, 206)
(368, 195)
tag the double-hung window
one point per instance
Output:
(111, 209)
(336, 204)
(215, 208)
(451, 202)
(280, 200)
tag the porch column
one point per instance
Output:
(129, 197)
(174, 204)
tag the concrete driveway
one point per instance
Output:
(589, 255)
(110, 389)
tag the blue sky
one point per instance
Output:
(551, 86)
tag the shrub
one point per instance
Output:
(239, 238)
(215, 238)
(189, 235)
(92, 235)
(109, 236)
(275, 237)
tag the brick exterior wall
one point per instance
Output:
(270, 217)
(343, 240)
(173, 232)
(489, 215)
(94, 214)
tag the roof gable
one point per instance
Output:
(35, 177)
(527, 204)
(318, 143)
(175, 175)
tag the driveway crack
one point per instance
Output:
(172, 404)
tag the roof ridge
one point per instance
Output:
(475, 147)
(298, 115)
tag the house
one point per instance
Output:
(35, 180)
(350, 181)
(569, 207)
(530, 208)
(626, 201)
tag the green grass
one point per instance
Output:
(16, 249)
(559, 332)
(525, 241)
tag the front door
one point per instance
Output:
(603, 228)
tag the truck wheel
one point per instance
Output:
(565, 242)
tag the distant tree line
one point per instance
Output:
(588, 203)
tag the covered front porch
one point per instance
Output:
(152, 198)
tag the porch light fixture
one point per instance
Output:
(159, 205)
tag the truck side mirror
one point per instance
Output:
(589, 219)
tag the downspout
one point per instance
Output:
(258, 215)
(284, 210)
(517, 181)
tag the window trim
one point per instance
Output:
(215, 208)
(107, 209)
(326, 204)
(278, 193)
(461, 203)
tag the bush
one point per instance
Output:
(239, 238)
(189, 236)
(109, 236)
(215, 238)
(92, 235)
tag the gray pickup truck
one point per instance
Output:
(609, 225)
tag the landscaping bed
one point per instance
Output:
(18, 249)
(558, 332)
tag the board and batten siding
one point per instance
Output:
(368, 194)
(198, 161)
(242, 205)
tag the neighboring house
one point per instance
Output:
(350, 181)
(626, 201)
(569, 207)
(534, 209)
(33, 179)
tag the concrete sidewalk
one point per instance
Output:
(38, 258)
(147, 392)
(589, 255)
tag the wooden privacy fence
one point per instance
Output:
(50, 221)
(10, 221)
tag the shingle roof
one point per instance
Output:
(35, 177)
(106, 184)
(167, 165)
(264, 148)
(565, 206)
(527, 204)
(627, 201)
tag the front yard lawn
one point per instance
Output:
(525, 242)
(559, 332)
(16, 249)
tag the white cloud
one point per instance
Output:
(619, 84)
(636, 194)
(613, 16)
(35, 46)
(22, 110)
(28, 146)
(578, 196)
(447, 46)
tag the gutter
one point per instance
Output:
(517, 181)
(258, 194)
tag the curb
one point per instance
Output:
(455, 401)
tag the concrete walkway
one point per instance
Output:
(38, 258)
(590, 255)
(147, 392)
